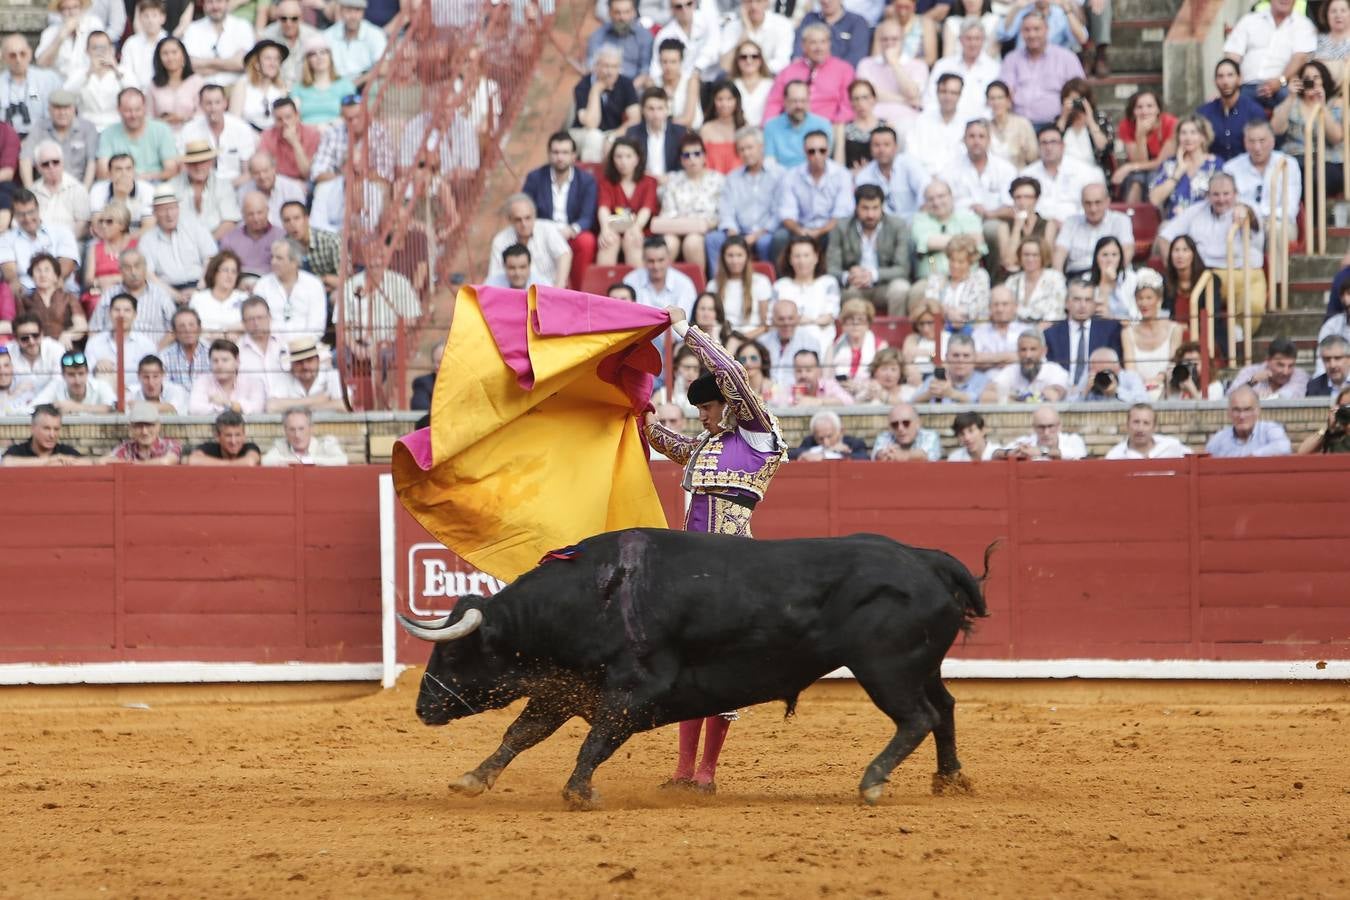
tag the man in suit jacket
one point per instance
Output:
(561, 180)
(884, 275)
(1063, 339)
(656, 130)
(1332, 351)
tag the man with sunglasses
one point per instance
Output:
(36, 358)
(75, 391)
(76, 136)
(44, 447)
(292, 32)
(771, 31)
(62, 198)
(906, 440)
(814, 197)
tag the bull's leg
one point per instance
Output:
(536, 721)
(900, 696)
(606, 736)
(948, 778)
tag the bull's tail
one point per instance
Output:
(966, 588)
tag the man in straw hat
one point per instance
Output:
(307, 385)
(178, 248)
(203, 194)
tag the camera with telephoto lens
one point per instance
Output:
(939, 374)
(1183, 372)
(1341, 420)
(1104, 383)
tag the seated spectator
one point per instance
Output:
(787, 339)
(305, 386)
(1113, 282)
(301, 446)
(1333, 43)
(887, 383)
(424, 386)
(743, 293)
(1271, 46)
(657, 284)
(44, 447)
(770, 32)
(138, 50)
(905, 440)
(178, 248)
(972, 57)
(996, 340)
(549, 251)
(1333, 357)
(900, 176)
(154, 309)
(689, 200)
(61, 45)
(223, 388)
(681, 84)
(659, 136)
(356, 44)
(318, 89)
(753, 79)
(1036, 72)
(934, 227)
(217, 42)
(218, 304)
(1183, 383)
(980, 184)
(1229, 112)
(278, 189)
(1048, 441)
(297, 300)
(575, 216)
(624, 32)
(189, 356)
(935, 136)
(828, 441)
(1182, 180)
(60, 311)
(322, 249)
(30, 236)
(700, 35)
(896, 77)
(1039, 292)
(231, 446)
(76, 135)
(1062, 179)
(38, 84)
(1249, 434)
(144, 445)
(172, 95)
(1071, 341)
(151, 387)
(331, 156)
(814, 196)
(373, 303)
(1143, 441)
(754, 358)
(1315, 88)
(851, 355)
(1107, 382)
(1024, 223)
(814, 294)
(1150, 137)
(289, 29)
(261, 353)
(687, 369)
(36, 358)
(785, 132)
(853, 140)
(847, 33)
(74, 392)
(149, 142)
(122, 186)
(61, 197)
(1278, 377)
(958, 381)
(811, 387)
(233, 139)
(974, 439)
(870, 252)
(606, 106)
(1064, 27)
(206, 196)
(1257, 174)
(964, 293)
(1332, 437)
(253, 97)
(1011, 136)
(1032, 379)
(920, 346)
(101, 350)
(517, 271)
(722, 119)
(251, 240)
(1149, 344)
(109, 240)
(1088, 135)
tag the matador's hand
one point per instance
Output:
(676, 314)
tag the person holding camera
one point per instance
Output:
(1107, 381)
(1088, 134)
(1315, 87)
(1335, 437)
(1047, 440)
(958, 381)
(1183, 382)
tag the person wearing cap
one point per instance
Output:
(144, 445)
(62, 198)
(44, 447)
(252, 96)
(178, 248)
(24, 87)
(306, 386)
(291, 143)
(728, 468)
(217, 43)
(75, 135)
(203, 194)
(319, 89)
(75, 391)
(148, 141)
(231, 446)
(357, 45)
(291, 31)
(297, 299)
(233, 139)
(301, 446)
(153, 386)
(100, 351)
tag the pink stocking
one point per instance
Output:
(712, 748)
(684, 769)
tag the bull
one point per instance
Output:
(644, 627)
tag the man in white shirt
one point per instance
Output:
(75, 391)
(28, 236)
(233, 139)
(217, 43)
(699, 35)
(1143, 442)
(1258, 176)
(295, 297)
(204, 194)
(1271, 46)
(138, 50)
(101, 350)
(756, 22)
(301, 447)
(1047, 441)
(936, 134)
(62, 198)
(1062, 179)
(549, 251)
(305, 385)
(35, 357)
(980, 182)
(152, 387)
(657, 284)
(261, 353)
(971, 434)
(1077, 239)
(786, 339)
(996, 340)
(177, 249)
(975, 67)
(1032, 379)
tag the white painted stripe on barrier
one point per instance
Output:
(1145, 669)
(185, 672)
(388, 584)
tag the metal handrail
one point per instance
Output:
(1314, 207)
(1277, 235)
(1244, 229)
(1203, 289)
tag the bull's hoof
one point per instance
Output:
(468, 785)
(953, 785)
(871, 795)
(577, 802)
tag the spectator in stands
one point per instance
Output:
(980, 184)
(1150, 138)
(621, 291)
(1183, 179)
(886, 384)
(60, 311)
(517, 272)
(149, 142)
(1333, 43)
(1039, 291)
(30, 236)
(748, 203)
(963, 293)
(625, 33)
(680, 85)
(138, 50)
(1062, 179)
(828, 441)
(920, 346)
(252, 239)
(814, 196)
(1070, 342)
(996, 340)
(1011, 136)
(970, 433)
(1036, 71)
(770, 31)
(289, 29)
(1106, 381)
(305, 385)
(36, 358)
(75, 135)
(154, 309)
(933, 229)
(291, 143)
(567, 196)
(825, 76)
(172, 95)
(151, 387)
(549, 251)
(209, 198)
(224, 388)
(1183, 382)
(1048, 440)
(659, 137)
(935, 137)
(606, 104)
(1150, 343)
(101, 350)
(217, 43)
(301, 446)
(1332, 437)
(75, 391)
(122, 186)
(786, 341)
(253, 96)
(231, 446)
(1278, 377)
(357, 44)
(261, 352)
(26, 87)
(699, 35)
(1315, 88)
(723, 117)
(1064, 24)
(1229, 113)
(322, 250)
(1257, 178)
(332, 153)
(188, 357)
(785, 132)
(14, 395)
(900, 176)
(657, 284)
(1143, 441)
(317, 88)
(955, 16)
(1088, 134)
(1249, 434)
(853, 140)
(44, 447)
(62, 198)
(848, 35)
(1271, 46)
(278, 189)
(753, 79)
(424, 386)
(297, 299)
(689, 200)
(144, 444)
(1333, 357)
(178, 248)
(977, 69)
(1031, 379)
(218, 302)
(957, 381)
(1077, 239)
(806, 284)
(906, 440)
(870, 252)
(1024, 222)
(811, 387)
(743, 292)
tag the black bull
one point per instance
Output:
(648, 627)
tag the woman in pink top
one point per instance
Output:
(173, 91)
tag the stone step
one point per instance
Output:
(1139, 33)
(1299, 324)
(1314, 268)
(1114, 91)
(1138, 9)
(1145, 58)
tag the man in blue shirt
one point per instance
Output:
(1230, 112)
(749, 201)
(1063, 30)
(850, 34)
(814, 197)
(784, 133)
(625, 32)
(1248, 435)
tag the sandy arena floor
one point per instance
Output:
(1111, 789)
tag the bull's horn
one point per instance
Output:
(464, 627)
